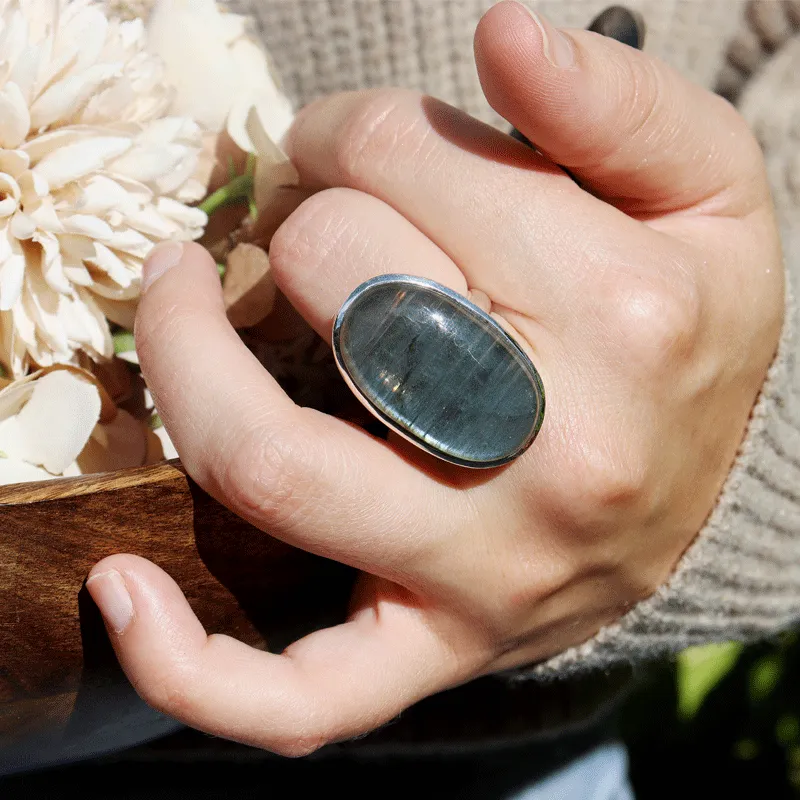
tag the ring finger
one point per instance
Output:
(516, 226)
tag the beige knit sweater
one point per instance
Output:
(741, 578)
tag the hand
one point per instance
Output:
(649, 297)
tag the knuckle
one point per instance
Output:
(167, 690)
(602, 480)
(611, 483)
(383, 125)
(264, 472)
(655, 322)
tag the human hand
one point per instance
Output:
(649, 298)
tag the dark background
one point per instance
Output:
(722, 721)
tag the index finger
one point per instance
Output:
(304, 477)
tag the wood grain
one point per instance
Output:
(62, 693)
(55, 661)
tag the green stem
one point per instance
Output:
(123, 342)
(238, 190)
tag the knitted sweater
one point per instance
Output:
(741, 577)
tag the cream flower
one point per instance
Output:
(92, 174)
(217, 70)
(61, 422)
(224, 80)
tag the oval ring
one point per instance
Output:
(439, 371)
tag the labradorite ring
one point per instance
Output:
(438, 370)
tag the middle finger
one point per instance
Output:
(514, 223)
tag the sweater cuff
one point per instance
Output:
(740, 579)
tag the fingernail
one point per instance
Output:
(162, 257)
(556, 46)
(109, 592)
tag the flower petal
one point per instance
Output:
(22, 226)
(249, 288)
(147, 163)
(15, 119)
(131, 242)
(110, 263)
(166, 443)
(151, 223)
(63, 100)
(14, 471)
(14, 396)
(76, 160)
(52, 263)
(12, 275)
(182, 214)
(55, 424)
(119, 444)
(14, 162)
(190, 38)
(11, 193)
(87, 225)
(101, 194)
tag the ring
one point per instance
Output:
(438, 370)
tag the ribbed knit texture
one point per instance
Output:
(741, 577)
(323, 46)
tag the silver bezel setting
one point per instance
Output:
(412, 280)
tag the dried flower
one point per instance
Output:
(217, 70)
(92, 174)
(60, 421)
(223, 78)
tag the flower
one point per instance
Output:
(223, 79)
(217, 70)
(93, 172)
(60, 421)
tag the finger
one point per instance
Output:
(628, 126)
(340, 238)
(494, 206)
(331, 685)
(302, 476)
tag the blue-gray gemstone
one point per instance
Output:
(438, 370)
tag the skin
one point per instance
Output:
(650, 298)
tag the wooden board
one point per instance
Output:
(62, 693)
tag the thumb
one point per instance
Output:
(630, 128)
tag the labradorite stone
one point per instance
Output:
(440, 371)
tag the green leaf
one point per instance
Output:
(155, 422)
(787, 729)
(221, 268)
(764, 676)
(746, 749)
(123, 342)
(700, 669)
